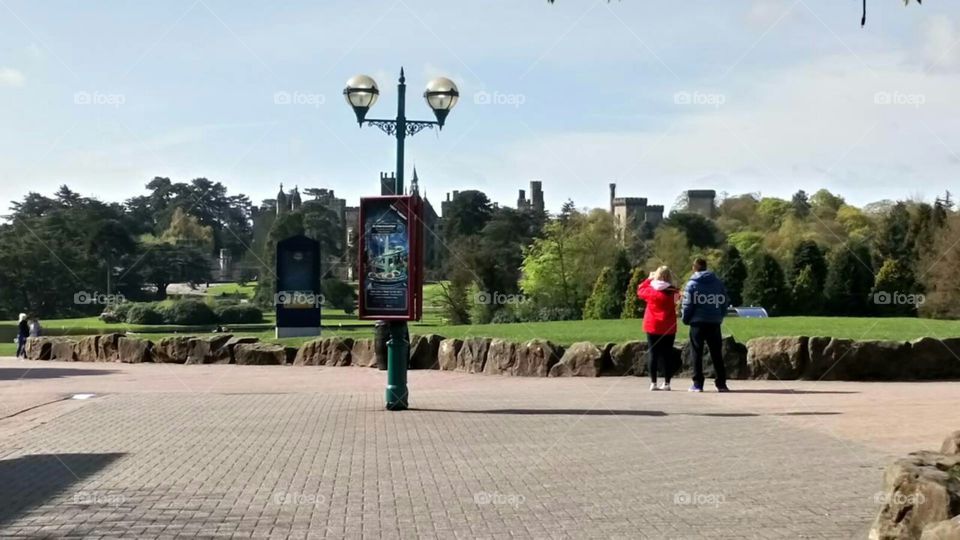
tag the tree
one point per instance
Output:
(807, 294)
(670, 249)
(285, 226)
(466, 214)
(808, 254)
(895, 291)
(186, 230)
(632, 304)
(939, 272)
(699, 231)
(605, 298)
(733, 272)
(621, 277)
(163, 264)
(765, 286)
(771, 212)
(560, 269)
(800, 204)
(824, 204)
(893, 241)
(849, 280)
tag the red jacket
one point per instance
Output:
(660, 317)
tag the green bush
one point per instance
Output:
(144, 314)
(238, 314)
(189, 312)
(339, 294)
(119, 310)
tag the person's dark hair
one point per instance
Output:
(699, 264)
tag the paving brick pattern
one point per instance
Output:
(608, 459)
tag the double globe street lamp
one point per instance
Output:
(441, 95)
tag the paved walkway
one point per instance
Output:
(277, 452)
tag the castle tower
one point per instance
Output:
(415, 183)
(702, 201)
(388, 184)
(522, 200)
(283, 204)
(295, 201)
(613, 194)
(536, 195)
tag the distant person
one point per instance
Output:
(23, 331)
(705, 303)
(659, 322)
(35, 329)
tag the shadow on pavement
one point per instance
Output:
(560, 412)
(747, 415)
(30, 481)
(791, 391)
(12, 374)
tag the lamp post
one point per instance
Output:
(441, 95)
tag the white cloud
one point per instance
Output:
(11, 77)
(941, 44)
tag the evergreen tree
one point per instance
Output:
(849, 280)
(733, 271)
(621, 276)
(801, 204)
(603, 302)
(893, 240)
(808, 297)
(808, 254)
(895, 292)
(766, 287)
(632, 304)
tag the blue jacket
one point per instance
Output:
(705, 299)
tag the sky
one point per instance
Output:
(767, 96)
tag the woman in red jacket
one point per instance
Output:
(659, 322)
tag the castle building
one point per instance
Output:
(535, 202)
(633, 212)
(703, 202)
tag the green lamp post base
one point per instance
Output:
(397, 359)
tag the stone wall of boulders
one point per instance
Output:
(779, 358)
(921, 496)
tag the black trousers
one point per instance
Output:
(659, 348)
(707, 334)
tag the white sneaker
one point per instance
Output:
(665, 386)
(653, 387)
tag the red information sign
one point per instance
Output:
(391, 258)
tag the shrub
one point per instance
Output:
(556, 314)
(110, 317)
(339, 294)
(238, 314)
(144, 314)
(120, 310)
(503, 316)
(189, 312)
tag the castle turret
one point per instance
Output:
(295, 201)
(536, 195)
(283, 204)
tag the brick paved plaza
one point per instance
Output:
(278, 452)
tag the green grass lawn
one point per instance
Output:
(232, 289)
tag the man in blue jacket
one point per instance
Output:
(705, 303)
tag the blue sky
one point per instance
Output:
(744, 96)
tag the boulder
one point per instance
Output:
(224, 353)
(63, 350)
(259, 354)
(172, 350)
(920, 490)
(424, 351)
(333, 351)
(86, 349)
(944, 530)
(38, 348)
(363, 353)
(198, 351)
(951, 445)
(473, 354)
(135, 350)
(734, 359)
(582, 359)
(781, 358)
(628, 358)
(501, 358)
(448, 353)
(108, 348)
(535, 358)
(932, 358)
(849, 360)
